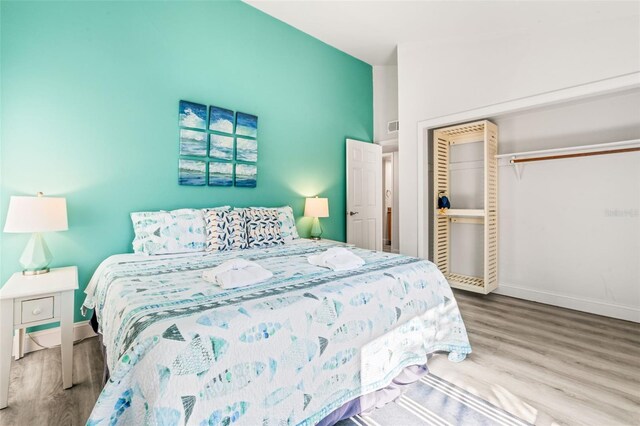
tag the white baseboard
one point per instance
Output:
(597, 307)
(51, 337)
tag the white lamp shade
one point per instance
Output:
(316, 207)
(36, 214)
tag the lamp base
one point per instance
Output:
(36, 256)
(316, 229)
(35, 272)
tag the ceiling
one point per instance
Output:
(371, 30)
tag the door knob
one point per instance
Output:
(353, 213)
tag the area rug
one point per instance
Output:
(434, 401)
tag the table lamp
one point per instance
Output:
(316, 208)
(35, 215)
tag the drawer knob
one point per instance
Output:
(37, 311)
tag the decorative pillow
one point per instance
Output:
(287, 222)
(162, 232)
(263, 228)
(225, 230)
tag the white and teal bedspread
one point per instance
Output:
(286, 351)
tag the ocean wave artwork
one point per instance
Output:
(193, 142)
(220, 174)
(246, 175)
(246, 150)
(193, 115)
(221, 147)
(220, 120)
(192, 172)
(246, 125)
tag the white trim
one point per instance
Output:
(596, 88)
(51, 337)
(597, 307)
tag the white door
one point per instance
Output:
(364, 194)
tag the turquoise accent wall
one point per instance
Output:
(89, 111)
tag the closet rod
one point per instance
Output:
(606, 145)
(578, 154)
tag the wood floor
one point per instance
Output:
(548, 365)
(544, 364)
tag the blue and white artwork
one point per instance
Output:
(221, 147)
(220, 120)
(192, 172)
(193, 142)
(193, 115)
(220, 174)
(247, 150)
(246, 125)
(246, 175)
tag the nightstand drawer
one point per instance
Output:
(37, 309)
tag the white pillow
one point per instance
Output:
(287, 222)
(162, 232)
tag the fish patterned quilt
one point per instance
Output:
(290, 350)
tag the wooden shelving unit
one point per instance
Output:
(486, 133)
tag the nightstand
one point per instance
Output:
(27, 301)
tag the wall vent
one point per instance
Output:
(393, 126)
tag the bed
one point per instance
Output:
(290, 350)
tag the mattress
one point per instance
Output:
(290, 350)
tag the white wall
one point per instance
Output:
(440, 79)
(385, 109)
(385, 100)
(573, 250)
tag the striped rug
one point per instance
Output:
(434, 401)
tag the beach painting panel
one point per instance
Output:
(221, 147)
(246, 175)
(247, 150)
(220, 174)
(193, 142)
(192, 172)
(220, 120)
(246, 125)
(193, 115)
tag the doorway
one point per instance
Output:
(390, 202)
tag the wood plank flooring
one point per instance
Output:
(545, 364)
(548, 365)
(36, 396)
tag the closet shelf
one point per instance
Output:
(518, 159)
(462, 212)
(466, 282)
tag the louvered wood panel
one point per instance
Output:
(441, 183)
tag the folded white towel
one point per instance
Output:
(236, 273)
(337, 259)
